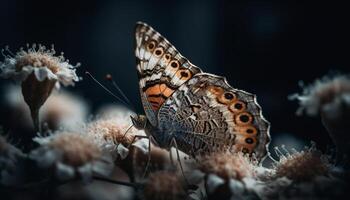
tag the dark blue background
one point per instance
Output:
(260, 46)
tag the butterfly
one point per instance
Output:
(198, 110)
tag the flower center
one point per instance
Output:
(37, 59)
(76, 149)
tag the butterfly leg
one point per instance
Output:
(173, 142)
(149, 150)
(149, 157)
(127, 130)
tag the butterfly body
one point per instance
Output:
(201, 111)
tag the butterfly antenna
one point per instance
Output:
(110, 78)
(106, 89)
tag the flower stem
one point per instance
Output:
(35, 117)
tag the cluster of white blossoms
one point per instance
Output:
(325, 94)
(113, 125)
(72, 154)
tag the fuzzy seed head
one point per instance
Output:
(38, 59)
(111, 130)
(302, 166)
(76, 149)
(42, 63)
(227, 165)
(322, 92)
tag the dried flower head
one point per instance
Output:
(303, 165)
(76, 149)
(331, 98)
(71, 153)
(115, 130)
(163, 185)
(113, 135)
(227, 165)
(322, 92)
(38, 70)
(42, 62)
(113, 122)
(112, 130)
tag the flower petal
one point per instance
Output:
(103, 167)
(122, 151)
(41, 73)
(142, 145)
(64, 172)
(213, 182)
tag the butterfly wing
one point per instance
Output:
(206, 113)
(161, 69)
(202, 111)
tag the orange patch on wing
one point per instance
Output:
(215, 90)
(165, 90)
(154, 90)
(156, 102)
(157, 94)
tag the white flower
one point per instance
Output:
(227, 165)
(330, 97)
(38, 71)
(324, 95)
(113, 127)
(303, 165)
(71, 154)
(41, 62)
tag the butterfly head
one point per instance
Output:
(139, 121)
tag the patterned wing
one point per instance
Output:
(206, 113)
(161, 69)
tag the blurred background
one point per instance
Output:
(262, 47)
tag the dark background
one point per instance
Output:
(260, 46)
